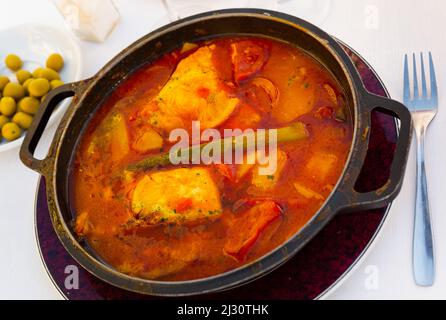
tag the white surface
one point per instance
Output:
(34, 43)
(381, 30)
(91, 20)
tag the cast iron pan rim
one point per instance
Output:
(262, 265)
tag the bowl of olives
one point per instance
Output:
(34, 60)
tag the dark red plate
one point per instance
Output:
(308, 275)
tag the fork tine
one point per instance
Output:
(433, 79)
(406, 81)
(416, 94)
(423, 78)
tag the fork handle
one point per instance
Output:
(423, 249)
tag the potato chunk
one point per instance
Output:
(147, 141)
(320, 165)
(112, 138)
(119, 139)
(267, 182)
(296, 101)
(176, 196)
(193, 92)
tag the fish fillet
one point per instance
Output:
(194, 92)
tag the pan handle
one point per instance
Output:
(39, 123)
(354, 200)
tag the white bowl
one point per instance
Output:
(34, 43)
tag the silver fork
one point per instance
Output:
(423, 108)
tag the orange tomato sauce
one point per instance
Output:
(152, 223)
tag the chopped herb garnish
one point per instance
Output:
(291, 80)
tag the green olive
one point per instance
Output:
(55, 62)
(56, 83)
(38, 87)
(36, 72)
(7, 106)
(23, 75)
(4, 80)
(13, 62)
(25, 85)
(14, 90)
(43, 98)
(19, 105)
(3, 120)
(22, 119)
(49, 74)
(11, 131)
(29, 105)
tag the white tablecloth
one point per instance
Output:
(381, 30)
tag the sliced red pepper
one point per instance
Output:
(226, 170)
(248, 57)
(183, 205)
(247, 228)
(203, 92)
(247, 203)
